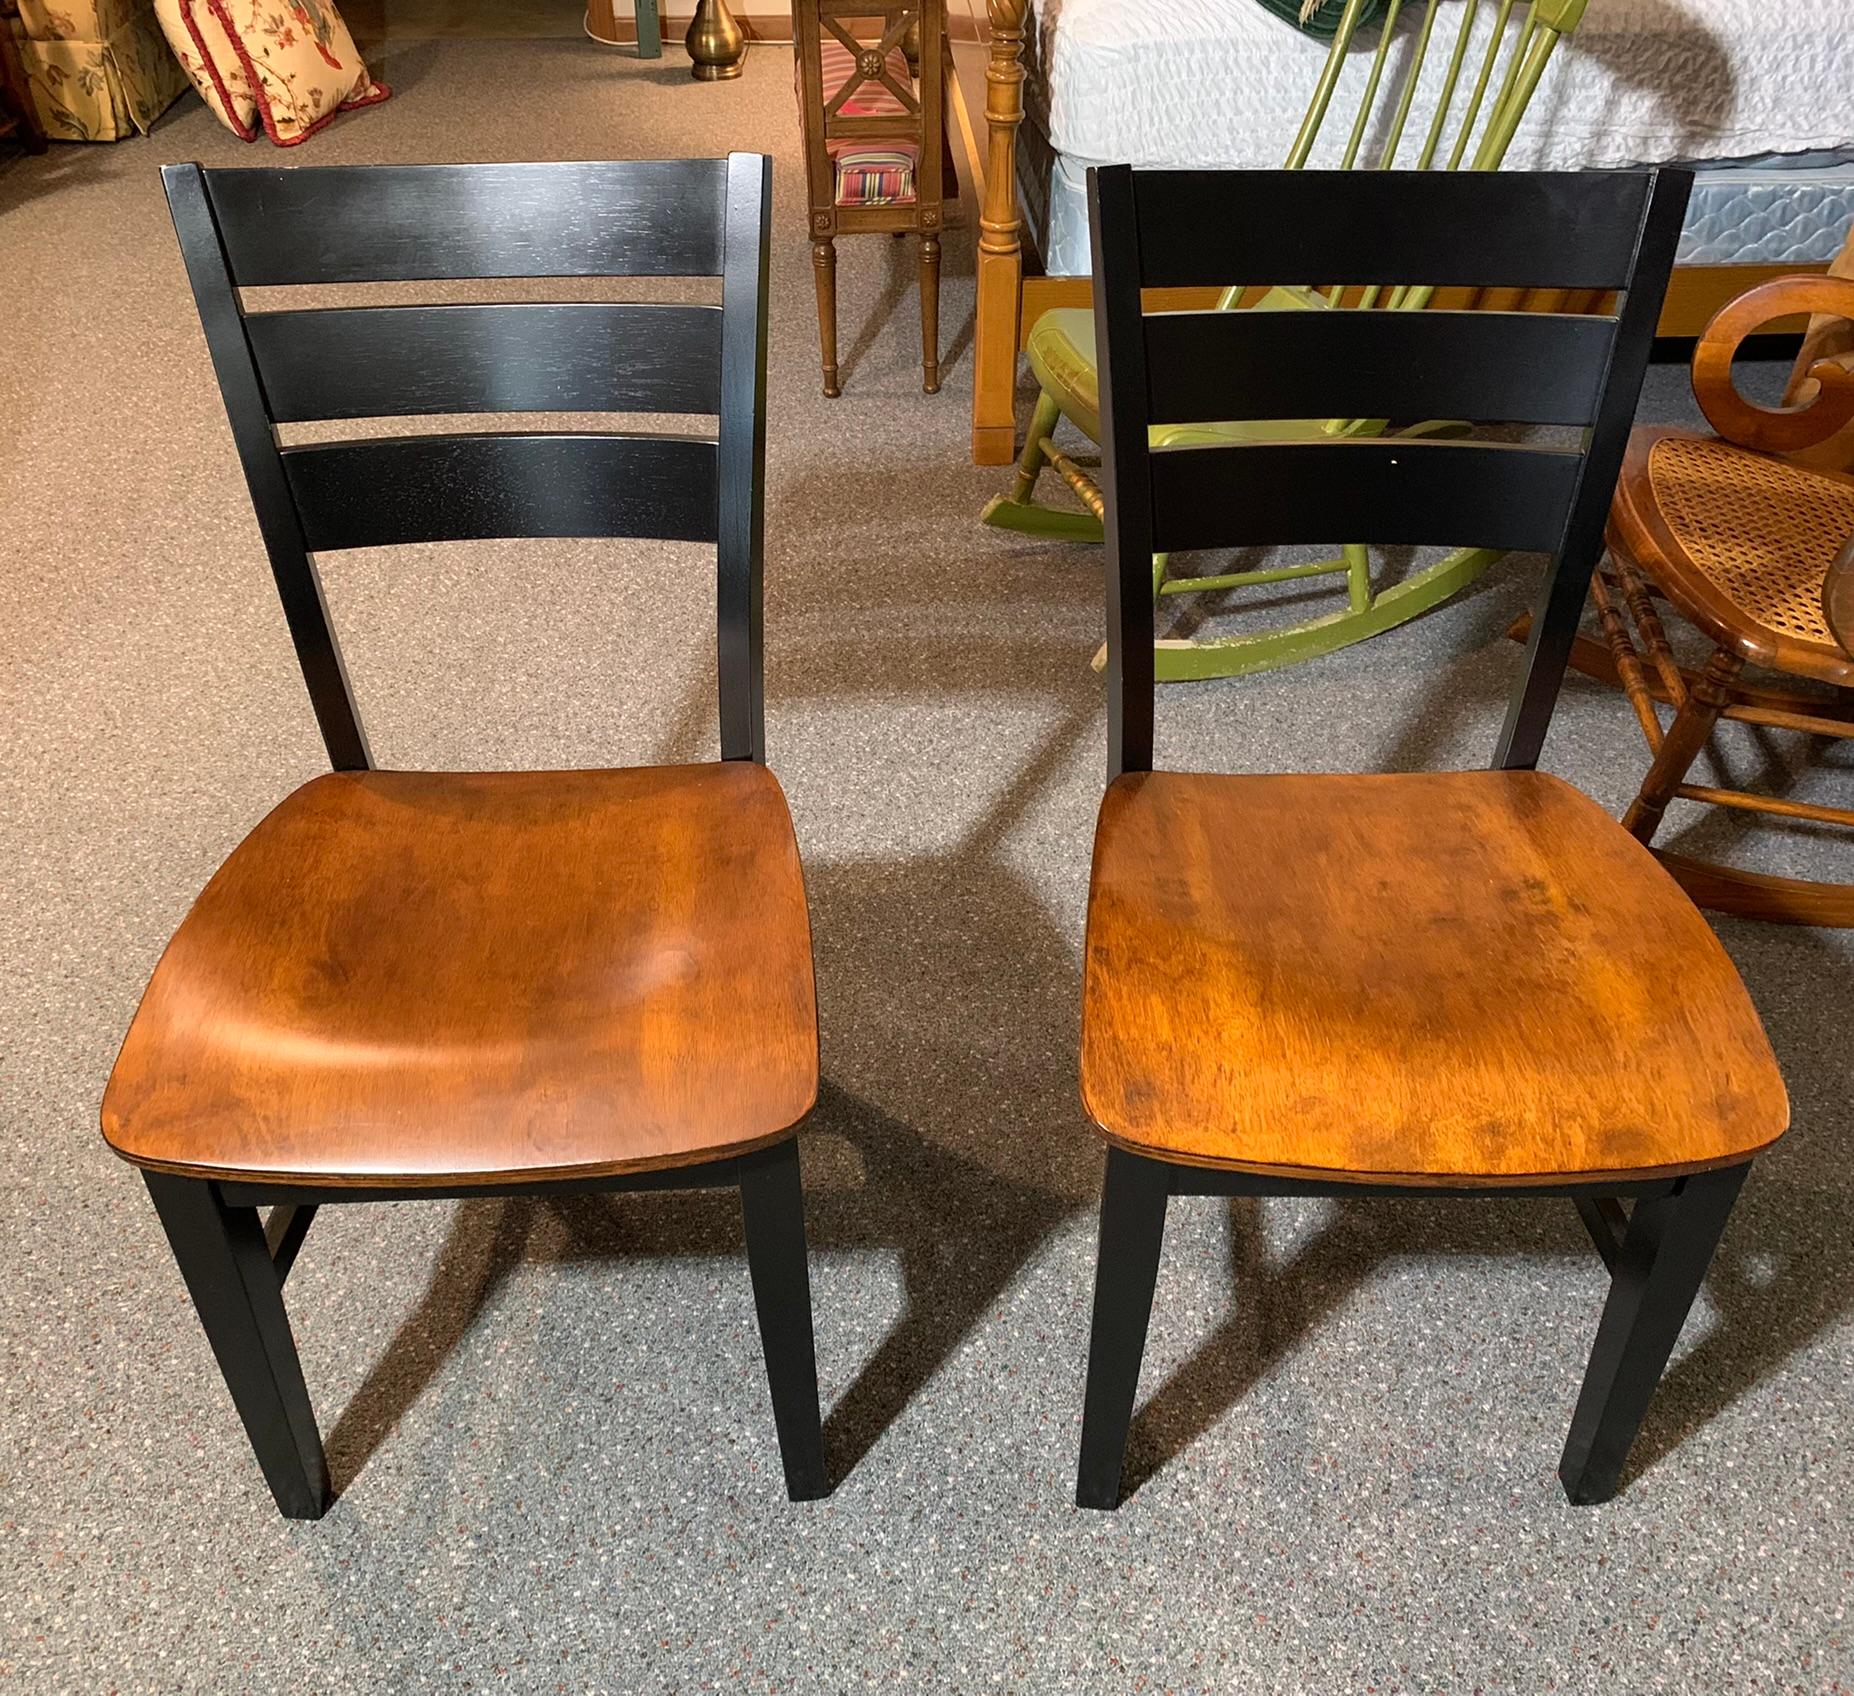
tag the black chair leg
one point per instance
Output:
(227, 1266)
(772, 1201)
(1126, 1272)
(1665, 1252)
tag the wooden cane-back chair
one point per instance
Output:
(1482, 98)
(1736, 534)
(873, 113)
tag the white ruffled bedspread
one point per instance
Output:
(1224, 82)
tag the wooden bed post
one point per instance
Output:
(1000, 246)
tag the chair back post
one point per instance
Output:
(222, 318)
(930, 185)
(1551, 21)
(1613, 232)
(741, 545)
(1113, 230)
(1323, 90)
(820, 174)
(1567, 581)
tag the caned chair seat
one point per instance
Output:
(1451, 978)
(404, 976)
(1741, 541)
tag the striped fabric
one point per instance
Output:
(874, 178)
(869, 172)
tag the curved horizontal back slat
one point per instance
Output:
(396, 223)
(395, 361)
(1447, 229)
(381, 492)
(1400, 493)
(1515, 367)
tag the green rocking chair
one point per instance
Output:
(1062, 354)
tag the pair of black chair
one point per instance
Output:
(427, 984)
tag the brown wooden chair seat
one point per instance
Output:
(1424, 977)
(402, 977)
(1740, 542)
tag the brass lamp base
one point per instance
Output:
(716, 42)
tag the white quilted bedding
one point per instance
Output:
(1224, 82)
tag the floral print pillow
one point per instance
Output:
(289, 64)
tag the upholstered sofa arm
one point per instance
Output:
(98, 70)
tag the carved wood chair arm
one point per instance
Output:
(1825, 399)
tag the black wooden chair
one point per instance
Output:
(1436, 983)
(408, 984)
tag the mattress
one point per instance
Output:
(1753, 93)
(1773, 212)
(1225, 82)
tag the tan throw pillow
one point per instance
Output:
(289, 64)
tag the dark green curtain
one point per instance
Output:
(1325, 20)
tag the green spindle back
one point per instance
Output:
(1526, 54)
